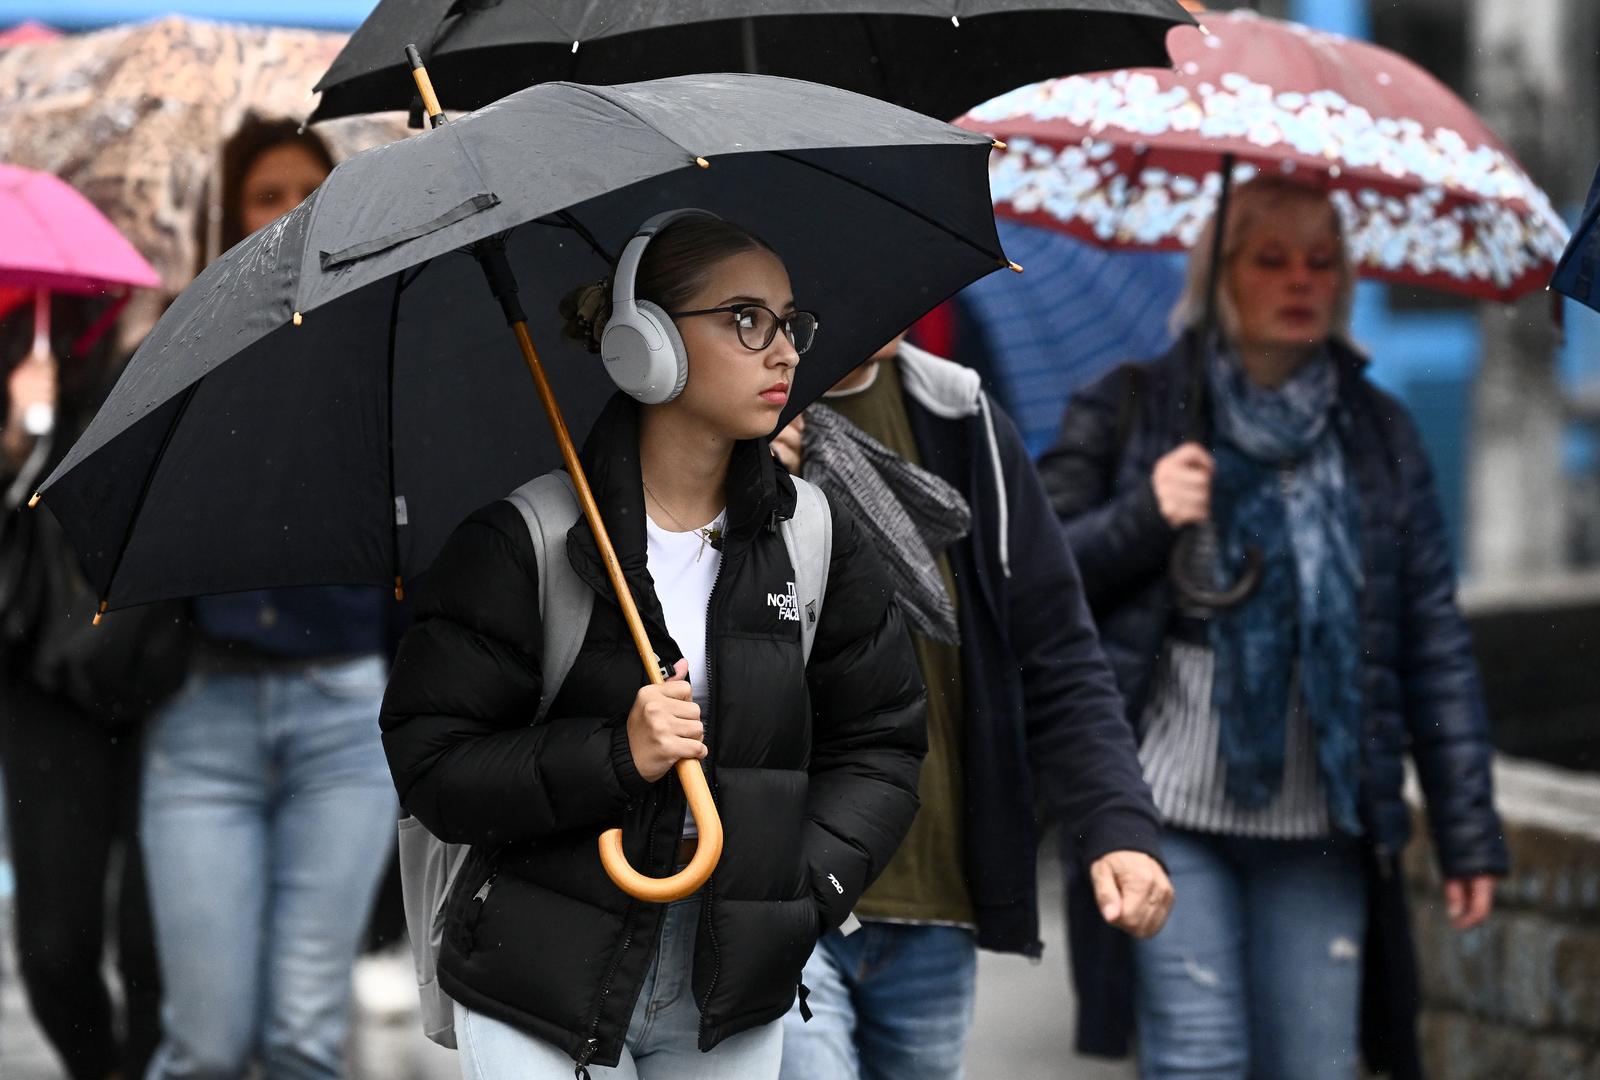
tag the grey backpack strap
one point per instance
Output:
(809, 538)
(549, 507)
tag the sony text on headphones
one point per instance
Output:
(640, 347)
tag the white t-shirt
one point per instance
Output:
(684, 567)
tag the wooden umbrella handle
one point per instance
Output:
(709, 848)
(707, 851)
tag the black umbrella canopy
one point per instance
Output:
(241, 450)
(938, 57)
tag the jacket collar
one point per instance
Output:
(759, 495)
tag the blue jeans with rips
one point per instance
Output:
(268, 817)
(1257, 975)
(889, 1001)
(663, 1039)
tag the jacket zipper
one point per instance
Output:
(581, 1072)
(474, 913)
(711, 882)
(592, 1043)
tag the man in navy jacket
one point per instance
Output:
(1031, 718)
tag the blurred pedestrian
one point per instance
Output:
(1273, 731)
(268, 810)
(814, 764)
(70, 755)
(1021, 708)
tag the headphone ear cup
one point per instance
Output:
(673, 359)
(643, 353)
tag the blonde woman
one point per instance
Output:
(1273, 732)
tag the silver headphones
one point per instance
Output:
(641, 348)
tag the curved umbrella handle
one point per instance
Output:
(706, 853)
(1199, 595)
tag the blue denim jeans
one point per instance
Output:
(663, 1035)
(268, 815)
(888, 1002)
(1257, 975)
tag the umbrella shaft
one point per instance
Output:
(591, 511)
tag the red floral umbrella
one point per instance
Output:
(1132, 158)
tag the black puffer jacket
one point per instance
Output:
(814, 769)
(1419, 678)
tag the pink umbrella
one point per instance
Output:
(56, 241)
(27, 33)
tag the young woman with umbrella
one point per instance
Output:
(1273, 731)
(337, 393)
(815, 765)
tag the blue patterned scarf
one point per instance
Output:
(1281, 486)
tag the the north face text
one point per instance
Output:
(788, 607)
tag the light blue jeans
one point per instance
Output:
(268, 815)
(663, 1035)
(888, 1002)
(1257, 975)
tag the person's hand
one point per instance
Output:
(664, 726)
(1132, 892)
(1182, 482)
(32, 382)
(1469, 900)
(787, 444)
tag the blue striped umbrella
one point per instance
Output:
(1078, 312)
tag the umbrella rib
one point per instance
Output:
(898, 204)
(149, 482)
(588, 237)
(594, 91)
(408, 277)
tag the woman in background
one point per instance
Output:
(268, 810)
(1273, 732)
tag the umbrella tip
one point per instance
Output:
(574, 47)
(34, 501)
(997, 145)
(298, 318)
(101, 613)
(702, 162)
(399, 588)
(955, 21)
(1015, 268)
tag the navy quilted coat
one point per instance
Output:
(1420, 680)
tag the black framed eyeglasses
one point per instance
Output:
(757, 325)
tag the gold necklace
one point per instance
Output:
(708, 534)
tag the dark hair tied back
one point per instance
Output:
(585, 311)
